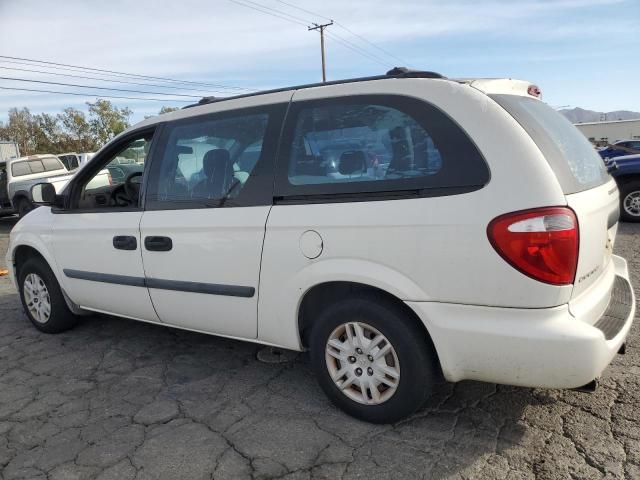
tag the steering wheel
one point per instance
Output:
(126, 194)
(131, 188)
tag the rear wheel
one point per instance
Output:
(630, 201)
(371, 360)
(42, 298)
(24, 207)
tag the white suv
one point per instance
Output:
(402, 228)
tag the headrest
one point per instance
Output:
(351, 162)
(218, 156)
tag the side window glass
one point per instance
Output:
(51, 163)
(208, 162)
(355, 143)
(117, 182)
(19, 169)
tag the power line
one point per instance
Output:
(99, 88)
(357, 49)
(371, 43)
(280, 12)
(122, 74)
(344, 27)
(109, 80)
(301, 21)
(97, 96)
(304, 10)
(304, 24)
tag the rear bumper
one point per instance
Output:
(547, 347)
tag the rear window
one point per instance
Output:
(574, 160)
(28, 167)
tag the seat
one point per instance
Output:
(218, 170)
(353, 162)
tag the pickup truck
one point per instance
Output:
(626, 170)
(21, 174)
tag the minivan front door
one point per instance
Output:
(97, 238)
(207, 202)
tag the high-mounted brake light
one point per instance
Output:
(534, 91)
(541, 243)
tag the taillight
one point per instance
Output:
(541, 243)
(110, 178)
(534, 91)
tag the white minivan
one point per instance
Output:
(402, 228)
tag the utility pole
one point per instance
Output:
(321, 29)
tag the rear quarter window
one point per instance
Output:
(376, 144)
(573, 159)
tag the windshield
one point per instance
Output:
(574, 160)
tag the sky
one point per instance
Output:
(582, 53)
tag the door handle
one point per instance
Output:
(125, 242)
(158, 244)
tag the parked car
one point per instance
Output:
(484, 251)
(70, 160)
(8, 151)
(85, 157)
(626, 171)
(23, 173)
(620, 148)
(120, 171)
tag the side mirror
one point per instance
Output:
(43, 194)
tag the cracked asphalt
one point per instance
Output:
(117, 399)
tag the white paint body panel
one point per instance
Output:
(427, 249)
(528, 347)
(210, 245)
(84, 241)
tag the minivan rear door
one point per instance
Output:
(589, 189)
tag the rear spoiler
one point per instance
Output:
(507, 86)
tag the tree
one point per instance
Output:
(107, 121)
(165, 109)
(48, 133)
(21, 128)
(77, 134)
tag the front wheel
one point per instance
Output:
(371, 360)
(630, 201)
(42, 298)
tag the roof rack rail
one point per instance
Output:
(396, 72)
(405, 72)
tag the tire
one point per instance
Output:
(24, 206)
(37, 274)
(630, 201)
(411, 356)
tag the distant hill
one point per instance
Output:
(580, 115)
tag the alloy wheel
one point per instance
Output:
(631, 203)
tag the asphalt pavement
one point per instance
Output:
(118, 399)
